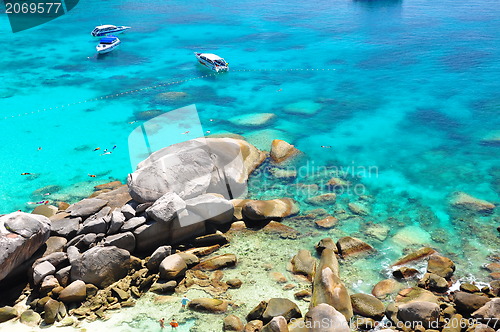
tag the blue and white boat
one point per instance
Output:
(103, 30)
(107, 44)
(212, 61)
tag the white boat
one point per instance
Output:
(103, 30)
(212, 61)
(107, 44)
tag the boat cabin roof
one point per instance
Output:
(105, 26)
(211, 56)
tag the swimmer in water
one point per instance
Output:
(25, 173)
(114, 147)
(162, 323)
(186, 132)
(46, 194)
(326, 146)
(212, 120)
(108, 152)
(96, 149)
(279, 90)
(39, 148)
(91, 175)
(208, 132)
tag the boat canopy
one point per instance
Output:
(105, 26)
(211, 56)
(107, 40)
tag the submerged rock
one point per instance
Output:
(253, 119)
(21, 235)
(465, 201)
(323, 199)
(415, 256)
(327, 223)
(386, 287)
(30, 318)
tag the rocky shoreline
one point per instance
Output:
(162, 231)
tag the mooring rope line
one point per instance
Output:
(158, 86)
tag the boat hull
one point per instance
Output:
(209, 65)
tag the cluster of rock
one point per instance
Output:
(427, 305)
(82, 259)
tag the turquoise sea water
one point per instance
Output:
(408, 87)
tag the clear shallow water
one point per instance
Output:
(411, 89)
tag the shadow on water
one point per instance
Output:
(378, 3)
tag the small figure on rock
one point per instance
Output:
(184, 301)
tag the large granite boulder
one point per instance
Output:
(303, 263)
(172, 266)
(86, 207)
(323, 312)
(211, 208)
(21, 234)
(467, 303)
(328, 287)
(442, 266)
(490, 312)
(419, 312)
(65, 227)
(275, 208)
(157, 257)
(74, 292)
(281, 151)
(101, 266)
(280, 307)
(367, 306)
(121, 240)
(207, 164)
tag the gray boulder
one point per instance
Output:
(21, 234)
(489, 312)
(208, 165)
(66, 227)
(86, 207)
(128, 211)
(63, 276)
(92, 225)
(122, 240)
(211, 208)
(133, 223)
(101, 266)
(41, 270)
(166, 208)
(57, 259)
(157, 257)
(116, 222)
